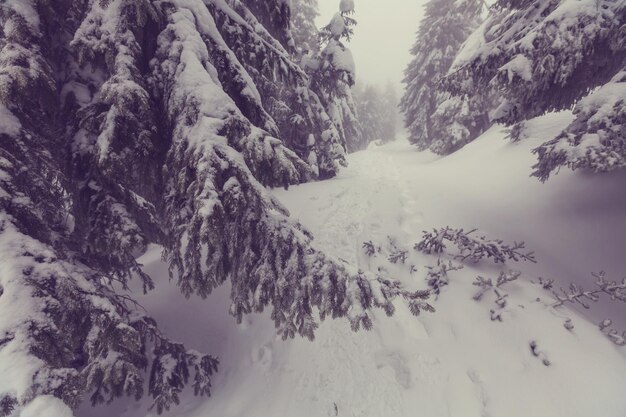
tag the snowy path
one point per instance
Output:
(456, 362)
(575, 223)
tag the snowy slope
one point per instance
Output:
(456, 362)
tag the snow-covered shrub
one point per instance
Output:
(417, 303)
(387, 260)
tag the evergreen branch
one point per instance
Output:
(437, 276)
(486, 284)
(576, 294)
(171, 367)
(473, 248)
(613, 334)
(8, 404)
(370, 248)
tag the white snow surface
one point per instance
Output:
(46, 406)
(455, 362)
(520, 66)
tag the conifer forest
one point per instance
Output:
(311, 208)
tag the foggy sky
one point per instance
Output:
(382, 39)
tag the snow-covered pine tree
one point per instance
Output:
(125, 123)
(434, 117)
(332, 141)
(270, 89)
(332, 71)
(369, 106)
(275, 15)
(545, 55)
(389, 103)
(377, 110)
(64, 331)
(242, 230)
(303, 28)
(113, 146)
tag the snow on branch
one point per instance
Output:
(595, 139)
(576, 294)
(129, 123)
(542, 55)
(613, 334)
(396, 254)
(473, 248)
(172, 367)
(437, 276)
(234, 229)
(486, 285)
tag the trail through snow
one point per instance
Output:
(456, 362)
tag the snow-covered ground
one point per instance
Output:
(456, 362)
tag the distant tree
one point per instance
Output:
(390, 112)
(543, 56)
(369, 107)
(332, 71)
(436, 118)
(305, 32)
(377, 112)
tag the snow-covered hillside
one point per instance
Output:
(456, 362)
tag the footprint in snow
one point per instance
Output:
(465, 397)
(263, 356)
(398, 363)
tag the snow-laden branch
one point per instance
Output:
(473, 248)
(576, 294)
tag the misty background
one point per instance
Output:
(382, 39)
